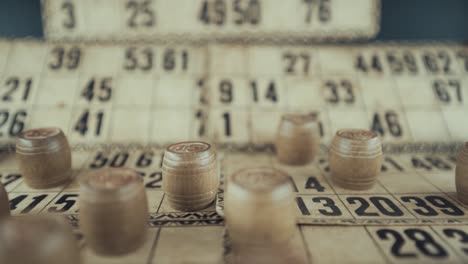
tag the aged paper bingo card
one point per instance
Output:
(121, 103)
(211, 19)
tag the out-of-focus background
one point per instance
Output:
(401, 19)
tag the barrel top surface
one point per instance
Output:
(188, 151)
(299, 119)
(356, 143)
(188, 147)
(40, 133)
(357, 134)
(111, 179)
(41, 139)
(260, 179)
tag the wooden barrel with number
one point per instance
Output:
(44, 157)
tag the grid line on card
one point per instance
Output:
(331, 133)
(318, 65)
(74, 107)
(448, 194)
(208, 96)
(323, 110)
(364, 106)
(249, 103)
(156, 86)
(161, 202)
(396, 198)
(284, 81)
(152, 252)
(411, 170)
(194, 109)
(86, 14)
(7, 60)
(441, 110)
(305, 244)
(428, 181)
(447, 243)
(116, 75)
(17, 185)
(35, 104)
(336, 193)
(403, 108)
(287, 95)
(111, 109)
(398, 201)
(151, 109)
(110, 132)
(381, 250)
(118, 11)
(51, 200)
(8, 56)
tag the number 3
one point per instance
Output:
(70, 21)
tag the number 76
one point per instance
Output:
(322, 7)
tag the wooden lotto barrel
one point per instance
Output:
(461, 174)
(355, 158)
(4, 204)
(190, 175)
(113, 210)
(259, 208)
(38, 239)
(44, 157)
(297, 139)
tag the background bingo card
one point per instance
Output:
(199, 20)
(232, 95)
